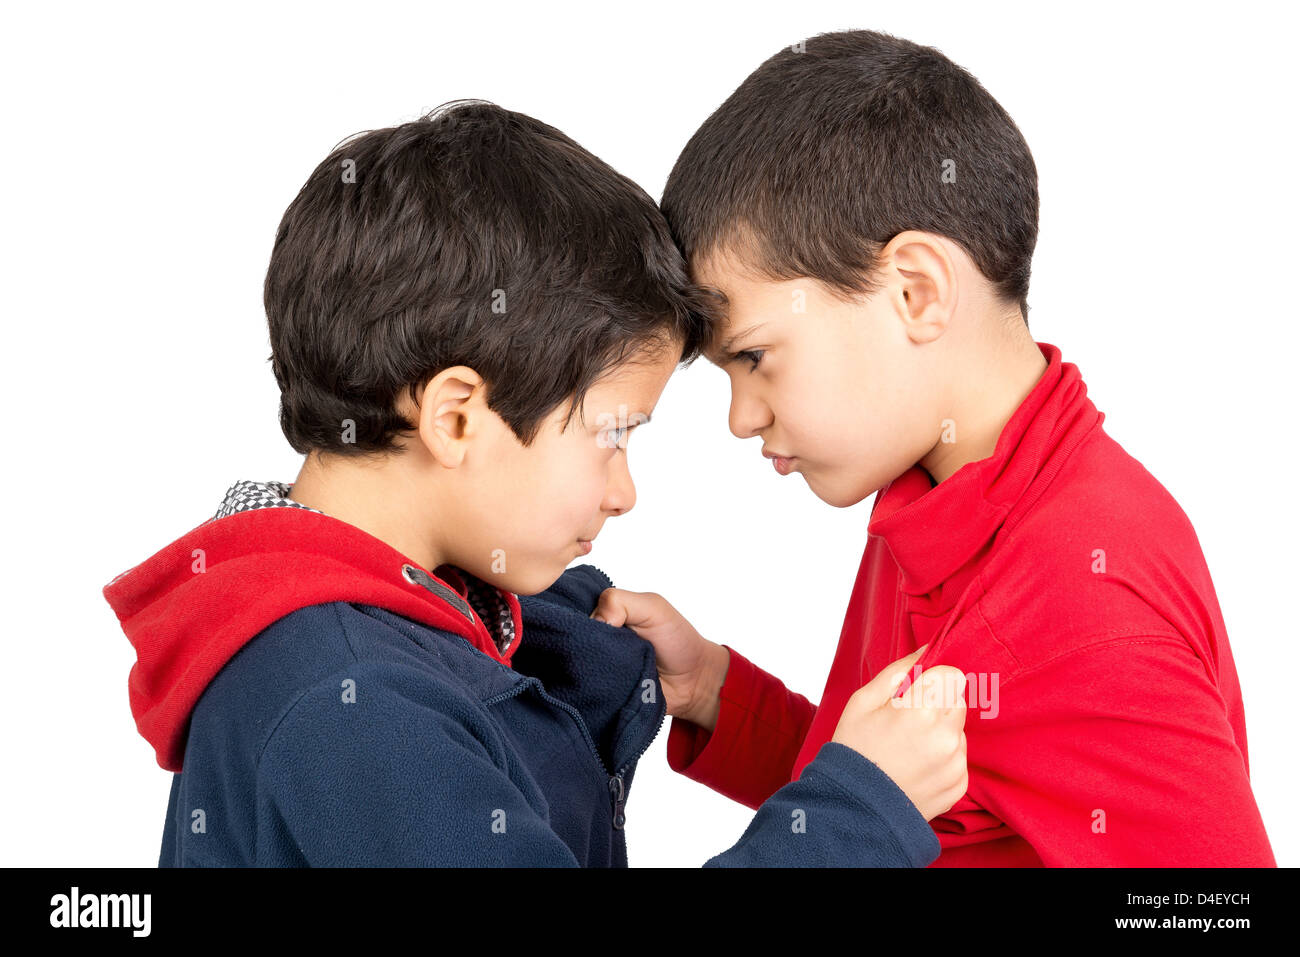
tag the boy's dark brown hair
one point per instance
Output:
(472, 236)
(834, 146)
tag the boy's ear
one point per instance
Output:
(926, 283)
(451, 410)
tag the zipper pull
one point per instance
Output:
(616, 791)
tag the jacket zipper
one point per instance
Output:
(615, 780)
(616, 789)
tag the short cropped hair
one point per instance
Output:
(834, 146)
(472, 236)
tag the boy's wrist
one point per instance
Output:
(709, 698)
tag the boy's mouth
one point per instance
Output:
(782, 463)
(585, 545)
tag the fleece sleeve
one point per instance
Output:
(752, 749)
(843, 811)
(1119, 754)
(390, 780)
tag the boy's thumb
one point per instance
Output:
(609, 609)
(884, 685)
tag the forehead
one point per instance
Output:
(741, 298)
(635, 383)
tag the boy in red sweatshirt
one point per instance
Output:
(865, 214)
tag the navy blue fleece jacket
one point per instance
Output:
(374, 725)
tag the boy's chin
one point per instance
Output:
(531, 586)
(531, 581)
(838, 495)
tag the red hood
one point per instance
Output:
(189, 608)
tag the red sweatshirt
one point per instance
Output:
(1104, 718)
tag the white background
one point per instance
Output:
(149, 153)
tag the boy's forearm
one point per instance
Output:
(709, 701)
(759, 728)
(842, 812)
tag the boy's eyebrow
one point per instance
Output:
(724, 350)
(641, 419)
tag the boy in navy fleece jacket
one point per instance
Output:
(386, 661)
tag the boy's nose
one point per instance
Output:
(620, 493)
(747, 415)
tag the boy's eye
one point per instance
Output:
(614, 438)
(751, 355)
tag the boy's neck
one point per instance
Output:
(989, 390)
(371, 497)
